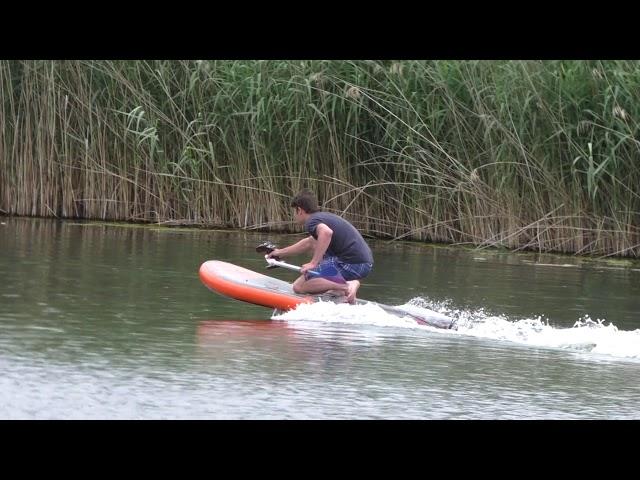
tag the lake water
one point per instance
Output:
(110, 321)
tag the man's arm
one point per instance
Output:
(324, 239)
(295, 249)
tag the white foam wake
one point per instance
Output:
(586, 335)
(368, 314)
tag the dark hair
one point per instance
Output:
(306, 200)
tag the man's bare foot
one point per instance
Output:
(352, 290)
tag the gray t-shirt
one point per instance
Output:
(346, 242)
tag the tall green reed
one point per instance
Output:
(535, 155)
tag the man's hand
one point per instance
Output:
(308, 266)
(274, 253)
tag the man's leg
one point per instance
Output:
(354, 272)
(319, 285)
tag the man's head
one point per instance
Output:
(304, 204)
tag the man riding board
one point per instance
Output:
(341, 257)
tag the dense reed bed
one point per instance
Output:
(532, 155)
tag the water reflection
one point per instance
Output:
(222, 339)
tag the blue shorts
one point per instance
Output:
(338, 272)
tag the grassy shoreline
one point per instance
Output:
(541, 259)
(524, 155)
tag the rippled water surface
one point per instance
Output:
(111, 321)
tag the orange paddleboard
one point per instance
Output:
(249, 286)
